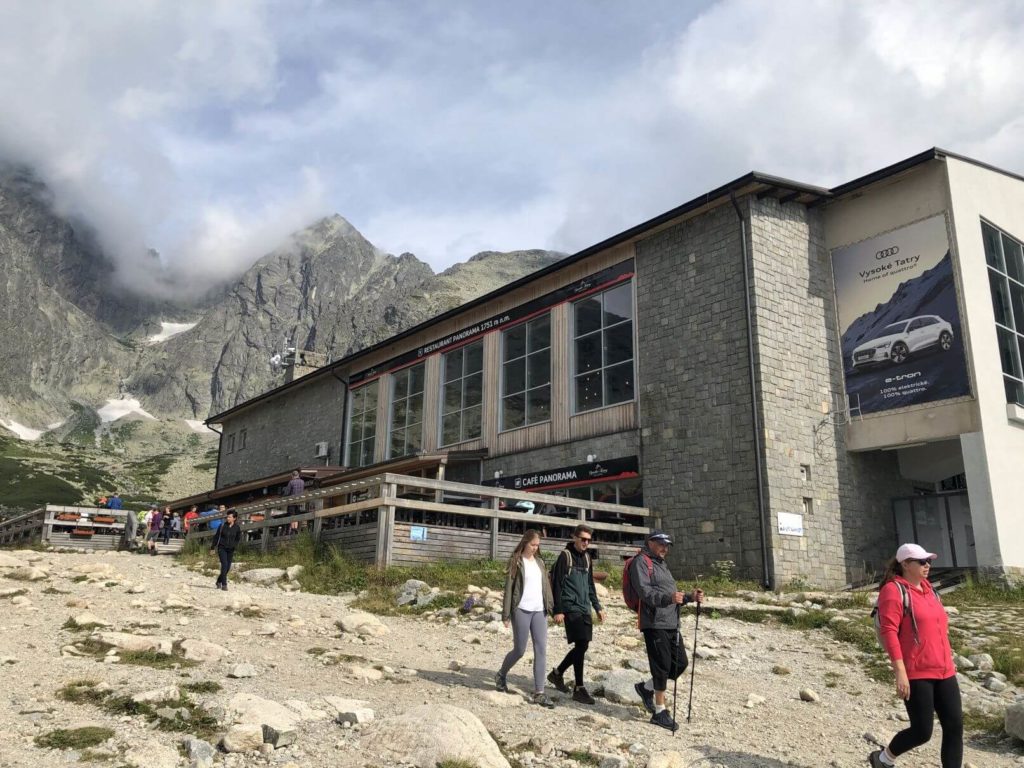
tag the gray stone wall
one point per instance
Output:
(281, 433)
(849, 529)
(697, 439)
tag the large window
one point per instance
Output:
(526, 373)
(406, 411)
(1005, 258)
(462, 389)
(603, 348)
(362, 424)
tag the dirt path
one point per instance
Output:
(290, 647)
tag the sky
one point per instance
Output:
(209, 130)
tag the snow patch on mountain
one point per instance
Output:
(119, 407)
(23, 432)
(167, 330)
(197, 425)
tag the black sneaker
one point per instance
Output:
(542, 700)
(647, 697)
(555, 678)
(875, 758)
(501, 683)
(664, 720)
(581, 695)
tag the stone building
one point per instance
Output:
(793, 379)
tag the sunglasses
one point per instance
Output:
(921, 562)
(584, 539)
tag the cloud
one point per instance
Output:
(209, 131)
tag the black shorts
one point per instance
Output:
(579, 627)
(666, 654)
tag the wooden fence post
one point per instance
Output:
(495, 504)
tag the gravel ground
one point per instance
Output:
(454, 661)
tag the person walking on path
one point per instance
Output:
(917, 642)
(658, 617)
(526, 606)
(572, 584)
(167, 524)
(115, 501)
(153, 534)
(296, 487)
(225, 541)
(191, 515)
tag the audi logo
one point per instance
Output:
(886, 253)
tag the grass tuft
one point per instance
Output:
(204, 686)
(74, 738)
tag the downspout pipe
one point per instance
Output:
(762, 511)
(344, 418)
(220, 441)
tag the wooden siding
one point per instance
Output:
(441, 544)
(603, 421)
(358, 542)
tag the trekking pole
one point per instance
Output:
(693, 665)
(675, 680)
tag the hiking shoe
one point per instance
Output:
(875, 758)
(664, 720)
(542, 700)
(581, 695)
(556, 680)
(647, 697)
(501, 683)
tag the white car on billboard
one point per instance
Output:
(898, 340)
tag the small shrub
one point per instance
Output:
(75, 738)
(981, 722)
(204, 686)
(583, 757)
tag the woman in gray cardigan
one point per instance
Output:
(526, 606)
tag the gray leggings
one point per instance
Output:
(526, 624)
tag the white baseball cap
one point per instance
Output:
(913, 552)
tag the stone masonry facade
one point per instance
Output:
(844, 498)
(282, 433)
(696, 435)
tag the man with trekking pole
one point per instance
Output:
(658, 602)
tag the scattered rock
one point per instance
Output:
(279, 737)
(618, 684)
(1014, 721)
(982, 661)
(806, 694)
(89, 620)
(152, 754)
(753, 700)
(433, 733)
(129, 642)
(200, 650)
(293, 572)
(263, 576)
(200, 753)
(243, 738)
(350, 711)
(362, 624)
(242, 670)
(167, 693)
(780, 669)
(248, 709)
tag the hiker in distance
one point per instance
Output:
(658, 604)
(526, 605)
(572, 584)
(225, 541)
(917, 641)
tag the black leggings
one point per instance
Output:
(225, 556)
(574, 658)
(928, 697)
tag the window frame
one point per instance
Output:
(527, 389)
(573, 338)
(361, 391)
(391, 409)
(462, 380)
(999, 272)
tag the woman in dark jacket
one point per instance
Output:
(225, 540)
(526, 606)
(917, 642)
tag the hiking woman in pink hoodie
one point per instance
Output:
(917, 642)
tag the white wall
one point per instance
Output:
(916, 194)
(994, 456)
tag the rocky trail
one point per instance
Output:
(167, 671)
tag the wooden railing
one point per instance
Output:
(379, 506)
(23, 528)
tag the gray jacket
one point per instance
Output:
(657, 611)
(514, 589)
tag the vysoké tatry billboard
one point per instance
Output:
(899, 320)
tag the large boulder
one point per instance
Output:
(263, 576)
(362, 624)
(1014, 723)
(243, 738)
(200, 650)
(430, 734)
(249, 709)
(618, 686)
(127, 642)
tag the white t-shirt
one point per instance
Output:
(533, 590)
